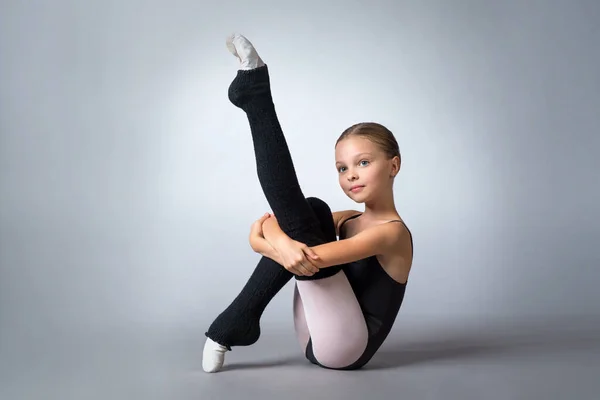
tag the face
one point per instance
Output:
(360, 162)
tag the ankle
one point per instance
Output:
(251, 86)
(234, 330)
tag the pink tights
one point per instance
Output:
(327, 312)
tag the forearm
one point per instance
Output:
(263, 247)
(272, 232)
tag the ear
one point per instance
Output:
(395, 166)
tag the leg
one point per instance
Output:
(330, 326)
(300, 324)
(251, 92)
(334, 317)
(239, 323)
(329, 322)
(323, 213)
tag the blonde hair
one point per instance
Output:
(376, 133)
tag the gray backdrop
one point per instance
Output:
(128, 184)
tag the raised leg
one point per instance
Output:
(238, 325)
(251, 92)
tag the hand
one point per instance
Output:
(296, 257)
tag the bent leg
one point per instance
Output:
(239, 323)
(338, 334)
(300, 325)
(328, 319)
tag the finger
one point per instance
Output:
(309, 265)
(261, 221)
(295, 271)
(314, 268)
(305, 270)
(311, 253)
(292, 269)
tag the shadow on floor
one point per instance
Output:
(525, 339)
(280, 362)
(447, 344)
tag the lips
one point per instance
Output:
(356, 188)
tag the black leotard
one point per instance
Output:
(379, 296)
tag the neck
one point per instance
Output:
(381, 208)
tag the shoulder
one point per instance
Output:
(341, 216)
(382, 239)
(344, 213)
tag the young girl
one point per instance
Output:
(347, 292)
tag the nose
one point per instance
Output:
(351, 175)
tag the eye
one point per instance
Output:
(361, 161)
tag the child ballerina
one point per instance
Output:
(347, 292)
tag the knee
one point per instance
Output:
(340, 355)
(341, 360)
(323, 213)
(319, 206)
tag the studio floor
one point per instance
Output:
(557, 359)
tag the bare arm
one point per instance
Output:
(273, 233)
(263, 247)
(287, 252)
